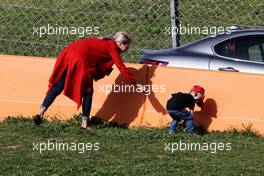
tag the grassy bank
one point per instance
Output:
(120, 151)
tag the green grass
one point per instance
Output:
(124, 151)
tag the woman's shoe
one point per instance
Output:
(37, 119)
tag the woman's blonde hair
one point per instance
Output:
(123, 37)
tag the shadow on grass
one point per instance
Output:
(93, 122)
(199, 129)
(246, 131)
(75, 121)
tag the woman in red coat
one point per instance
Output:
(79, 64)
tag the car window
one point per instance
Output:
(254, 53)
(246, 48)
(226, 48)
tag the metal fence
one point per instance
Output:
(207, 17)
(43, 28)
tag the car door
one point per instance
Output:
(239, 54)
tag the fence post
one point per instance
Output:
(175, 34)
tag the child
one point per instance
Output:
(177, 104)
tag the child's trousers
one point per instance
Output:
(177, 116)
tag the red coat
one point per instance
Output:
(85, 60)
